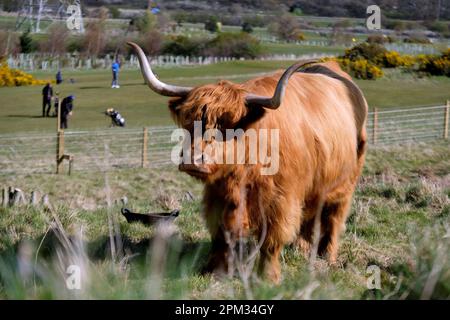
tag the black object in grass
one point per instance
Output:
(149, 218)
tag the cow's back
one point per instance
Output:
(319, 129)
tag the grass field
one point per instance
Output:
(20, 107)
(399, 222)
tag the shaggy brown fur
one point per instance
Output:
(322, 145)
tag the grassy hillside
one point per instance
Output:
(20, 107)
(399, 222)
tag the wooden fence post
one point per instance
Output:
(144, 158)
(446, 116)
(34, 198)
(375, 126)
(59, 151)
(5, 197)
(58, 116)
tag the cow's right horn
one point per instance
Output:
(275, 101)
(152, 81)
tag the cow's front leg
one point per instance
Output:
(218, 256)
(269, 263)
(232, 227)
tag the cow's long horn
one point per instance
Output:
(275, 101)
(152, 81)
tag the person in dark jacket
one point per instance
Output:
(59, 78)
(66, 110)
(47, 94)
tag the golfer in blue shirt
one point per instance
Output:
(115, 72)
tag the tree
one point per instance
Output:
(10, 5)
(247, 27)
(152, 42)
(146, 23)
(236, 45)
(9, 43)
(212, 24)
(56, 43)
(114, 12)
(287, 28)
(95, 37)
(27, 44)
(184, 46)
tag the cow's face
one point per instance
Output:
(210, 110)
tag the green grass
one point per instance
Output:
(399, 221)
(20, 107)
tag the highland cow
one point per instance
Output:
(320, 115)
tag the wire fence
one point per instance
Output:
(116, 148)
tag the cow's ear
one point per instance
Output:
(252, 115)
(174, 106)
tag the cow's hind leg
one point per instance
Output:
(304, 240)
(334, 215)
(305, 237)
(337, 208)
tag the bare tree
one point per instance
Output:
(9, 43)
(95, 37)
(152, 42)
(56, 43)
(287, 28)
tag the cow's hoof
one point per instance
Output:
(304, 247)
(215, 272)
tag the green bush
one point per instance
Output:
(184, 46)
(114, 12)
(145, 23)
(418, 196)
(247, 27)
(236, 45)
(365, 50)
(211, 24)
(27, 44)
(417, 39)
(75, 45)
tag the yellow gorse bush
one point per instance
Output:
(361, 68)
(15, 78)
(393, 59)
(366, 61)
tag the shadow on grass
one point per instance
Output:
(179, 256)
(108, 86)
(25, 116)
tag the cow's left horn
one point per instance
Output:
(275, 101)
(152, 81)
